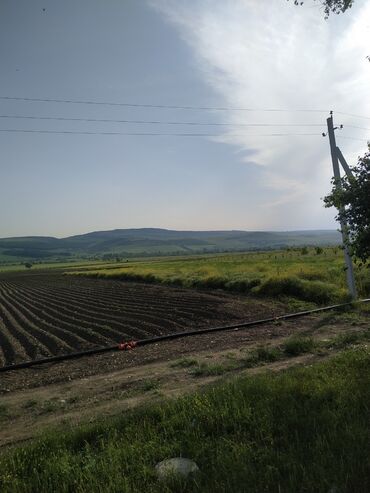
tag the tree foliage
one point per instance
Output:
(351, 196)
(332, 6)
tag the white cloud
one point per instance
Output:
(270, 54)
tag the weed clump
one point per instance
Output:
(262, 354)
(184, 363)
(206, 370)
(296, 345)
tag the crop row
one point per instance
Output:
(43, 315)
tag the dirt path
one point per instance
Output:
(67, 393)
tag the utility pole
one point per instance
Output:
(343, 225)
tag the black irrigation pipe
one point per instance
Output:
(177, 335)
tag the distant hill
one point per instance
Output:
(154, 241)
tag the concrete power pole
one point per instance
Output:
(343, 225)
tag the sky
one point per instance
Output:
(241, 58)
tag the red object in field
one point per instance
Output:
(125, 346)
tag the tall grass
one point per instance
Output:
(305, 430)
(312, 277)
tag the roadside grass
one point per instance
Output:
(302, 430)
(184, 363)
(296, 345)
(285, 274)
(356, 315)
(204, 369)
(148, 385)
(348, 339)
(293, 346)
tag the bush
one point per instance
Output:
(210, 283)
(242, 286)
(316, 291)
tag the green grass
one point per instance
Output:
(262, 354)
(77, 264)
(184, 363)
(148, 385)
(304, 430)
(349, 339)
(298, 344)
(204, 369)
(283, 274)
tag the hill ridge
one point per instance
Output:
(131, 242)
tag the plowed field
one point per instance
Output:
(43, 313)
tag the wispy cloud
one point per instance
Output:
(270, 54)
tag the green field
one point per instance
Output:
(304, 430)
(308, 274)
(77, 264)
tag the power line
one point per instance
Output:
(350, 114)
(354, 126)
(165, 106)
(161, 122)
(351, 138)
(154, 134)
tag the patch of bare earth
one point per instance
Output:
(67, 393)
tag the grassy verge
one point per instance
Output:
(305, 430)
(309, 277)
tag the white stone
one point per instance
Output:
(177, 466)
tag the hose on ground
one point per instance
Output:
(167, 337)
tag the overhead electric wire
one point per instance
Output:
(170, 106)
(355, 126)
(153, 134)
(159, 122)
(165, 106)
(352, 115)
(351, 138)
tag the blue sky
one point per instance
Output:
(236, 54)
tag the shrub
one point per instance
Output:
(242, 286)
(316, 291)
(210, 283)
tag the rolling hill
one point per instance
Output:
(155, 241)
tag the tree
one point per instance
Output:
(351, 196)
(28, 265)
(334, 6)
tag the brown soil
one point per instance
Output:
(46, 313)
(90, 388)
